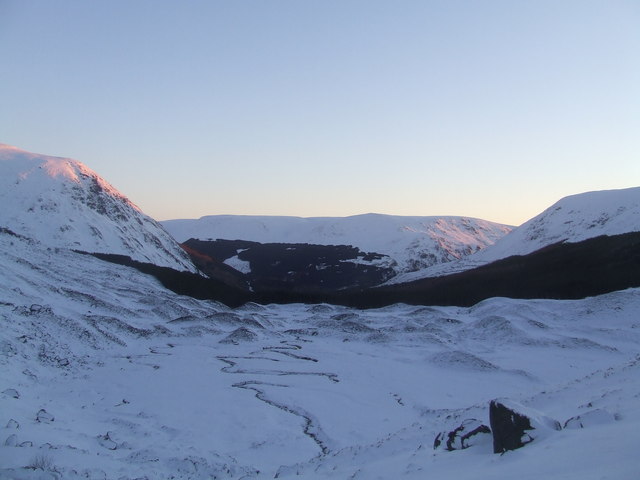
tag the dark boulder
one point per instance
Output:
(470, 432)
(514, 425)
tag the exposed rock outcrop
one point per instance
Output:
(514, 425)
(469, 433)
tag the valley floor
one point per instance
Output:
(104, 374)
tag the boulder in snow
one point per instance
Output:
(470, 432)
(593, 417)
(11, 441)
(106, 441)
(44, 417)
(12, 424)
(514, 425)
(11, 392)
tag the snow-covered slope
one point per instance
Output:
(106, 375)
(413, 242)
(572, 219)
(63, 203)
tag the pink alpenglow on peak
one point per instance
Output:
(62, 203)
(28, 164)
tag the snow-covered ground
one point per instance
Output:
(105, 374)
(572, 219)
(412, 242)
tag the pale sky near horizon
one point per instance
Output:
(492, 109)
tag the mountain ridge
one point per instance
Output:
(63, 203)
(413, 242)
(571, 219)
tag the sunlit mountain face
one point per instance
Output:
(119, 359)
(63, 203)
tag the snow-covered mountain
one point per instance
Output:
(572, 219)
(105, 375)
(412, 242)
(63, 203)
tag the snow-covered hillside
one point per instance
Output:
(413, 242)
(572, 219)
(106, 375)
(63, 203)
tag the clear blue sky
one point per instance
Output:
(491, 109)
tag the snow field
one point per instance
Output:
(139, 384)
